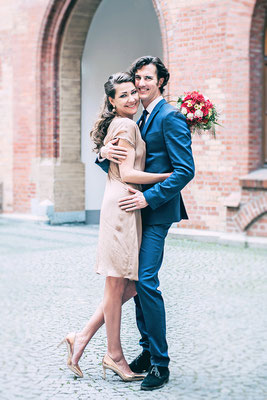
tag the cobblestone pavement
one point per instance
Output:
(215, 299)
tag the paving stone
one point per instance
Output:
(215, 299)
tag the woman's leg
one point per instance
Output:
(83, 337)
(112, 304)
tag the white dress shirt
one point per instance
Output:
(152, 105)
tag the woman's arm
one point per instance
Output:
(130, 175)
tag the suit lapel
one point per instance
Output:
(152, 115)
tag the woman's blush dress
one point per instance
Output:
(120, 232)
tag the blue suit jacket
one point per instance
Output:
(168, 148)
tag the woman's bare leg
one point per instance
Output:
(83, 337)
(112, 303)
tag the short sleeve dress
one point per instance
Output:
(120, 232)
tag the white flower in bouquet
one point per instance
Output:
(190, 116)
(199, 114)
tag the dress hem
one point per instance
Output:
(116, 276)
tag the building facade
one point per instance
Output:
(217, 47)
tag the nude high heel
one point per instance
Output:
(108, 363)
(69, 341)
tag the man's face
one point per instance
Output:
(147, 84)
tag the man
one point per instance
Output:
(168, 146)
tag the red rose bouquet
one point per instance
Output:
(200, 113)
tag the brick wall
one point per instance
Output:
(208, 45)
(20, 23)
(248, 212)
(258, 228)
(6, 106)
(209, 51)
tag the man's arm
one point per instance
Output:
(178, 142)
(104, 164)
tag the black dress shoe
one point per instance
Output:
(156, 378)
(141, 363)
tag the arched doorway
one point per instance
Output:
(258, 91)
(120, 32)
(63, 37)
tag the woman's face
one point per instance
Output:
(126, 99)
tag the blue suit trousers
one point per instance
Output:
(150, 311)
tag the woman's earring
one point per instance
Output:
(114, 110)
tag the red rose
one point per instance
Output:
(208, 104)
(205, 111)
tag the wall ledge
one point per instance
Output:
(255, 180)
(233, 200)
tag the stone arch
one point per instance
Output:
(257, 227)
(251, 212)
(62, 38)
(53, 26)
(256, 93)
(162, 23)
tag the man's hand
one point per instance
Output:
(113, 152)
(134, 201)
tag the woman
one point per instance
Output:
(120, 231)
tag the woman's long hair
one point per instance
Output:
(107, 113)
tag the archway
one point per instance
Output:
(118, 34)
(257, 130)
(65, 28)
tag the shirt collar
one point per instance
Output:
(153, 104)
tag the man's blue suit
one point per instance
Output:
(168, 148)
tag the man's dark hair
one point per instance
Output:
(162, 71)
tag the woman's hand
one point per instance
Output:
(113, 152)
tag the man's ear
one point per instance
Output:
(161, 80)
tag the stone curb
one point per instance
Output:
(224, 238)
